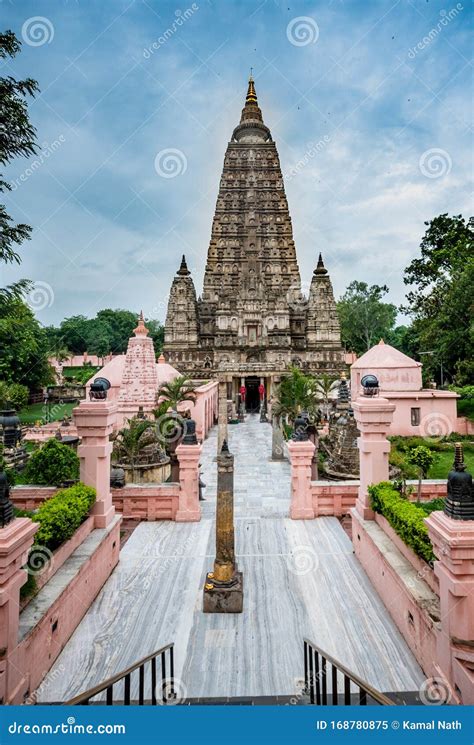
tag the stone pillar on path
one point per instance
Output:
(95, 422)
(278, 452)
(373, 415)
(222, 433)
(16, 539)
(301, 456)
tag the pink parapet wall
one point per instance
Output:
(424, 412)
(16, 539)
(453, 543)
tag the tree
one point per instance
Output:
(423, 459)
(441, 299)
(364, 317)
(17, 138)
(24, 345)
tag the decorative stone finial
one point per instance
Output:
(381, 341)
(141, 329)
(161, 359)
(459, 503)
(225, 447)
(320, 268)
(183, 270)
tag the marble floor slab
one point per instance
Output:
(301, 578)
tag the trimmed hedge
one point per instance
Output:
(60, 516)
(406, 518)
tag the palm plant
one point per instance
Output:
(176, 391)
(323, 387)
(131, 441)
(296, 393)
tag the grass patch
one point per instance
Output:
(443, 449)
(38, 412)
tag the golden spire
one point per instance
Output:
(251, 95)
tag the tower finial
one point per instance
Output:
(141, 329)
(183, 269)
(251, 94)
(320, 268)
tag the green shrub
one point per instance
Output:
(399, 460)
(14, 395)
(52, 465)
(435, 504)
(60, 516)
(406, 518)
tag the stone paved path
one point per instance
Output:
(301, 579)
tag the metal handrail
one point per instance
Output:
(107, 685)
(316, 679)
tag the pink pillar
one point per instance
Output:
(373, 415)
(453, 544)
(301, 455)
(95, 421)
(189, 509)
(16, 539)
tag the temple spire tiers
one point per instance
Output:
(223, 589)
(252, 323)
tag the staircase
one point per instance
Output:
(150, 681)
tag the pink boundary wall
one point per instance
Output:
(37, 652)
(416, 626)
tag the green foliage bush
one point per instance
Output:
(60, 516)
(52, 465)
(406, 518)
(13, 395)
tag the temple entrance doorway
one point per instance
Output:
(252, 397)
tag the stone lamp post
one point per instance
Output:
(223, 590)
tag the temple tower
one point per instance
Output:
(251, 322)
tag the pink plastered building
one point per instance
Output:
(425, 412)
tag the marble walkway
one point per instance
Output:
(301, 579)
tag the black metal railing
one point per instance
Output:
(328, 682)
(137, 684)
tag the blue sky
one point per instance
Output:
(384, 86)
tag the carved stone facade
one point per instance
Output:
(252, 320)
